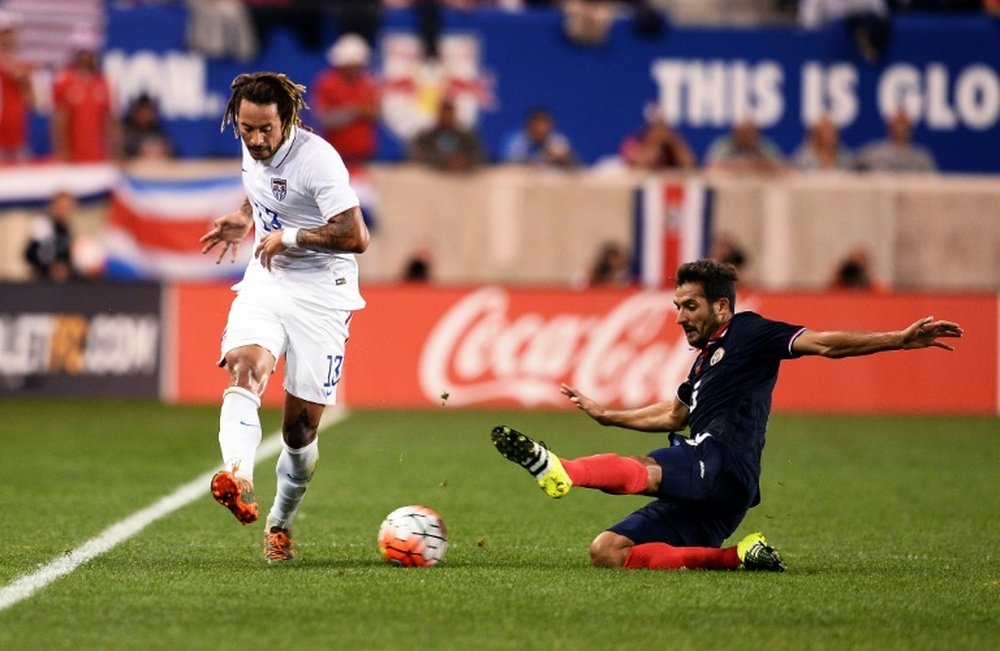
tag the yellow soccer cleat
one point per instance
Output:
(534, 457)
(757, 555)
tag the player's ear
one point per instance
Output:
(721, 306)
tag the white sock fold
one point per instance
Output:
(295, 468)
(239, 430)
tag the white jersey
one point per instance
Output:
(302, 185)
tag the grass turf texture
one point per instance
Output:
(889, 526)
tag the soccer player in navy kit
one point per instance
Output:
(704, 484)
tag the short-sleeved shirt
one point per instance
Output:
(728, 390)
(302, 185)
(354, 140)
(13, 113)
(86, 100)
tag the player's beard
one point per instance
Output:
(264, 152)
(704, 333)
(261, 153)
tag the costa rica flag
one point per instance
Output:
(672, 225)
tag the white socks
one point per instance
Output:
(239, 431)
(295, 468)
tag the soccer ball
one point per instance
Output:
(413, 536)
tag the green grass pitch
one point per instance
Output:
(889, 526)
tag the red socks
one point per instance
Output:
(661, 556)
(609, 473)
(627, 476)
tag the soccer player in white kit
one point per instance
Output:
(295, 299)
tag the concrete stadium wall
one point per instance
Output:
(527, 227)
(516, 226)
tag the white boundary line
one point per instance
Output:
(28, 584)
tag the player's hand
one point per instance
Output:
(926, 332)
(228, 230)
(269, 246)
(587, 405)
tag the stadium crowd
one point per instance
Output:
(61, 84)
(50, 71)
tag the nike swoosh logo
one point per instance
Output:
(250, 424)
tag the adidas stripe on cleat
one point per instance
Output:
(757, 555)
(236, 494)
(534, 457)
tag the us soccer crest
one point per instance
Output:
(279, 187)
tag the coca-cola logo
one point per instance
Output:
(480, 352)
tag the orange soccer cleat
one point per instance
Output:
(278, 545)
(236, 494)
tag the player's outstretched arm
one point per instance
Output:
(923, 333)
(228, 230)
(657, 417)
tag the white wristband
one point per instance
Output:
(289, 237)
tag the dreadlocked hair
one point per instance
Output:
(267, 88)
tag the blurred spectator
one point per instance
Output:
(15, 93)
(306, 19)
(417, 268)
(346, 101)
(897, 153)
(854, 273)
(538, 143)
(744, 149)
(446, 145)
(143, 135)
(992, 7)
(821, 150)
(361, 17)
(221, 28)
(49, 250)
(727, 250)
(587, 22)
(648, 21)
(656, 146)
(743, 13)
(612, 266)
(866, 20)
(83, 127)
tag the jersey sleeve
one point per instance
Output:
(773, 339)
(685, 392)
(331, 184)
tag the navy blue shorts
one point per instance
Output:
(701, 499)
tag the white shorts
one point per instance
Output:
(312, 337)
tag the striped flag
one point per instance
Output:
(673, 225)
(34, 184)
(154, 226)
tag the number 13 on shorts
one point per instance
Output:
(333, 365)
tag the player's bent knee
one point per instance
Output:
(298, 434)
(609, 550)
(248, 371)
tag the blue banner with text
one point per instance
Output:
(945, 71)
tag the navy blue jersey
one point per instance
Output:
(728, 390)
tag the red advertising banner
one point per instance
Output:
(496, 346)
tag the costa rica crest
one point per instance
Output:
(279, 188)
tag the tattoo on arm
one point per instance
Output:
(345, 232)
